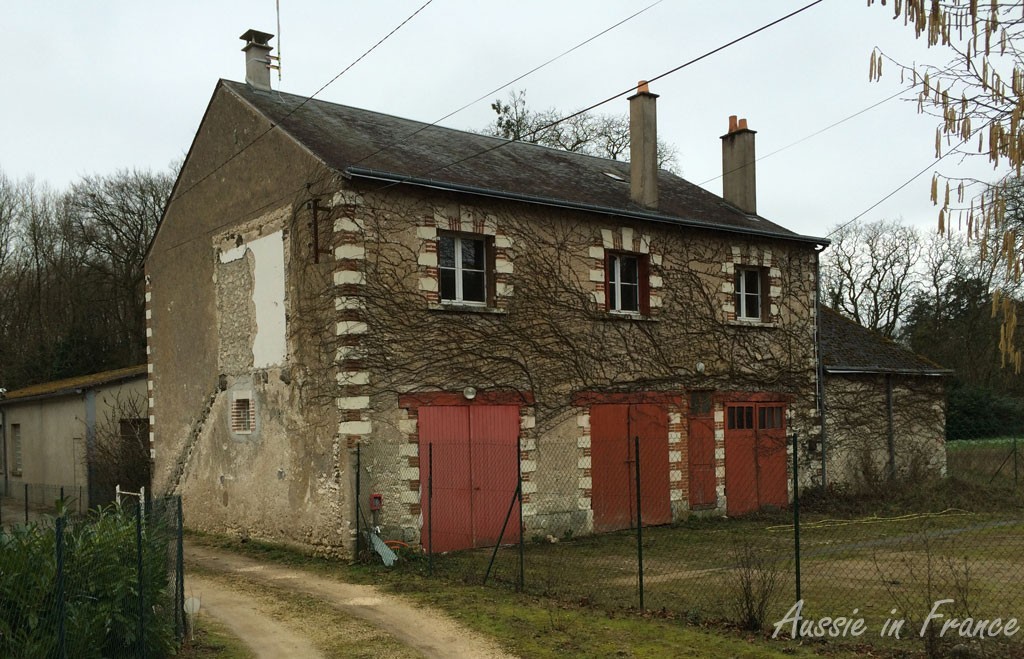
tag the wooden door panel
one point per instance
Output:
(702, 463)
(650, 424)
(611, 483)
(494, 439)
(447, 428)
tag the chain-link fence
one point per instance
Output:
(110, 584)
(742, 533)
(24, 502)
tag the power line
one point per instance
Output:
(814, 134)
(510, 82)
(450, 114)
(303, 103)
(630, 90)
(903, 185)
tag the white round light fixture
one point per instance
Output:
(469, 393)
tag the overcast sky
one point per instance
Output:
(89, 88)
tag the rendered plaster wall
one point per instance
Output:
(54, 433)
(220, 285)
(52, 441)
(857, 449)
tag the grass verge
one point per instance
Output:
(212, 640)
(533, 626)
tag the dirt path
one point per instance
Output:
(427, 632)
(243, 617)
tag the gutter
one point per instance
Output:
(389, 177)
(874, 370)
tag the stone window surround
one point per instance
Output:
(623, 240)
(465, 220)
(751, 257)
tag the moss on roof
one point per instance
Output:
(70, 385)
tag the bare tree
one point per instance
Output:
(602, 135)
(114, 218)
(870, 273)
(976, 99)
(120, 451)
(71, 295)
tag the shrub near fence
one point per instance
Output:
(110, 585)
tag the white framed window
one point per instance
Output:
(749, 293)
(243, 413)
(462, 269)
(626, 276)
(16, 447)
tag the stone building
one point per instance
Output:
(458, 309)
(885, 407)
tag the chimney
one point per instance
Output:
(738, 180)
(257, 58)
(643, 147)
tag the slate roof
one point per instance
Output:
(72, 385)
(848, 347)
(373, 146)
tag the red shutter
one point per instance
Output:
(490, 271)
(607, 276)
(644, 277)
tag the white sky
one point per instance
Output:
(89, 88)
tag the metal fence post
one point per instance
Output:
(26, 503)
(796, 516)
(1015, 469)
(61, 612)
(430, 508)
(359, 469)
(519, 488)
(179, 594)
(639, 522)
(141, 649)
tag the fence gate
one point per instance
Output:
(755, 457)
(474, 474)
(613, 482)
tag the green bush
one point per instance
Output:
(101, 601)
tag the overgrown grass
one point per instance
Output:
(996, 461)
(863, 554)
(212, 640)
(537, 626)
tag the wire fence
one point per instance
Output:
(743, 536)
(24, 502)
(110, 584)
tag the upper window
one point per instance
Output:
(749, 294)
(627, 283)
(462, 265)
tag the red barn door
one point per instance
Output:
(613, 469)
(755, 457)
(475, 453)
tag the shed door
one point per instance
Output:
(475, 452)
(755, 457)
(613, 469)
